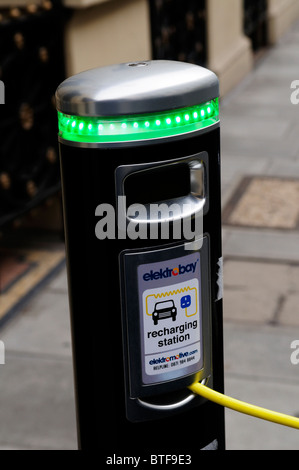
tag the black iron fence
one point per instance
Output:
(255, 23)
(179, 30)
(31, 67)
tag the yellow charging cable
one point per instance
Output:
(243, 407)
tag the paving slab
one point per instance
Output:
(285, 167)
(248, 433)
(265, 202)
(42, 327)
(37, 410)
(37, 403)
(261, 244)
(258, 370)
(261, 292)
(252, 290)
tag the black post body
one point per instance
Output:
(88, 179)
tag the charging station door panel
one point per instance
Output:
(166, 317)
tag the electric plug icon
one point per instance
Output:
(185, 301)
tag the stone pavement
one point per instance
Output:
(37, 410)
(260, 138)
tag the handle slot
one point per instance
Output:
(176, 188)
(157, 184)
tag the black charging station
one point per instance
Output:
(140, 166)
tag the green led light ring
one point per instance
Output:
(139, 126)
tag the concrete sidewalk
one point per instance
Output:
(260, 137)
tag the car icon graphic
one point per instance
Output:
(165, 309)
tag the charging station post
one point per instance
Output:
(145, 303)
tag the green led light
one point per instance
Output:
(101, 129)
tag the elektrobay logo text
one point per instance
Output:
(165, 273)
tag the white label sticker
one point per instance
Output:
(171, 325)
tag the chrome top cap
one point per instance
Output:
(136, 87)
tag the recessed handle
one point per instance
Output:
(167, 407)
(170, 208)
(197, 179)
(189, 396)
